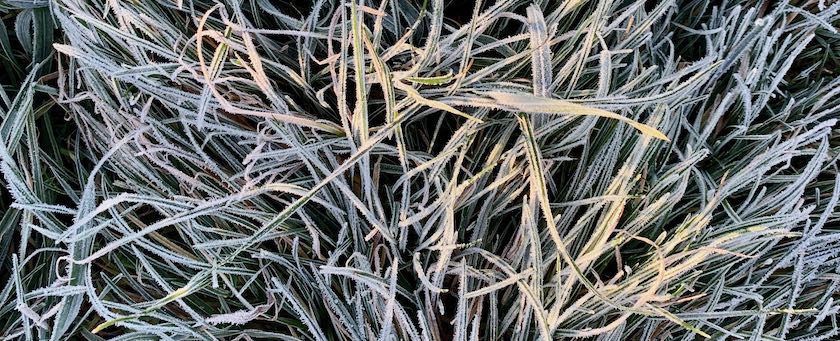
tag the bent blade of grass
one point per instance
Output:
(417, 97)
(539, 105)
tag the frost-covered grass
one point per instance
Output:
(420, 170)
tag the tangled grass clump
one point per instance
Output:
(395, 169)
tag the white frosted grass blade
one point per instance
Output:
(541, 64)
